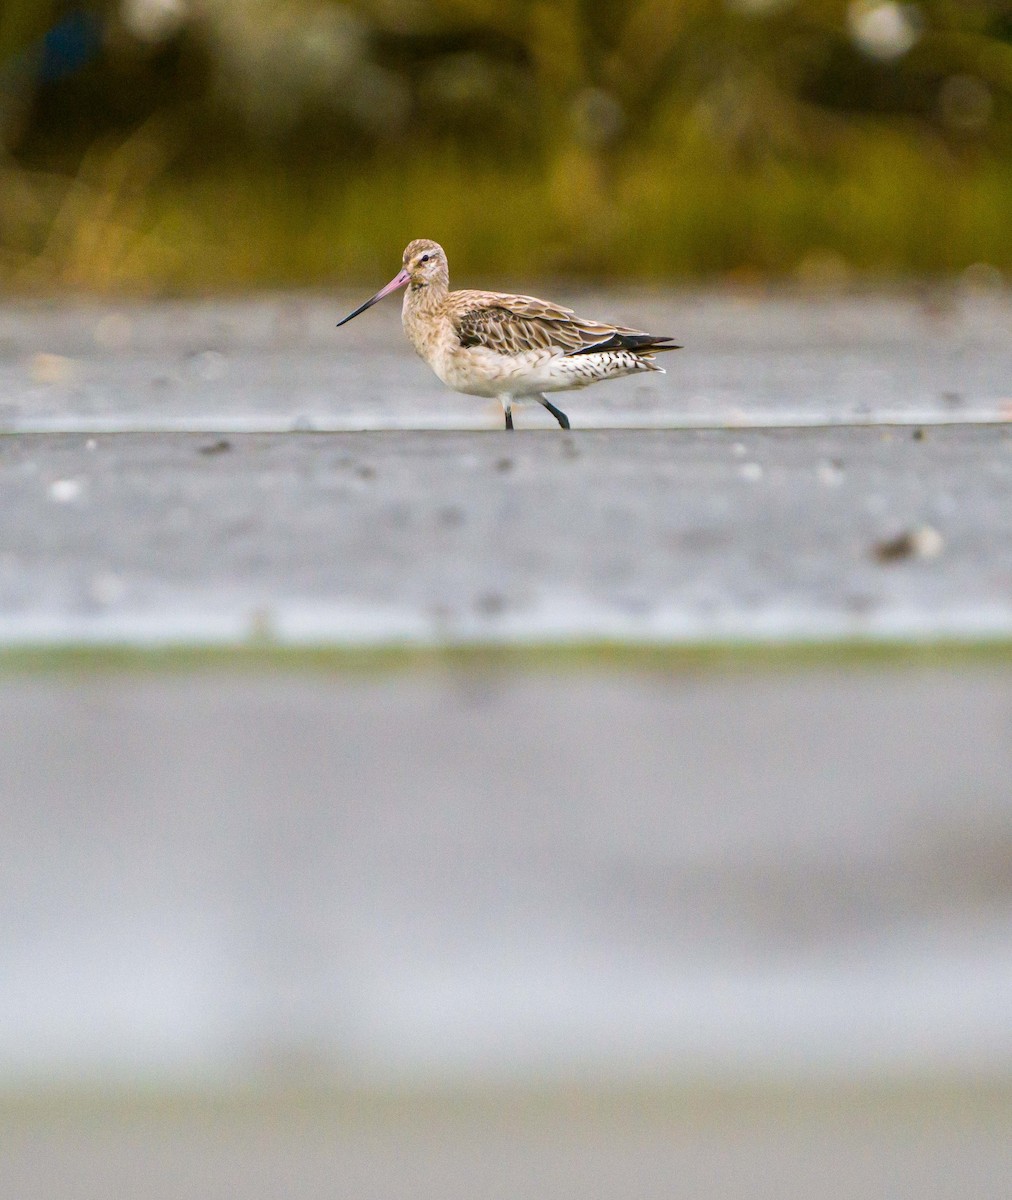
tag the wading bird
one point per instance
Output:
(511, 347)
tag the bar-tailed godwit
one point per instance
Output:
(511, 347)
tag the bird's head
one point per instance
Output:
(424, 264)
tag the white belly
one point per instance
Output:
(478, 371)
(481, 372)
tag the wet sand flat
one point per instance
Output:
(277, 363)
(443, 538)
(942, 1150)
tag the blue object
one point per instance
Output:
(69, 46)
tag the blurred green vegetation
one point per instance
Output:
(255, 657)
(194, 144)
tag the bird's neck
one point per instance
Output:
(423, 300)
(427, 294)
(421, 314)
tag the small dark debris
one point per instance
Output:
(365, 472)
(220, 447)
(451, 517)
(696, 540)
(490, 604)
(918, 435)
(503, 465)
(859, 603)
(398, 516)
(922, 542)
(895, 548)
(952, 399)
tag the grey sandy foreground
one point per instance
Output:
(677, 509)
(421, 538)
(488, 878)
(277, 364)
(460, 930)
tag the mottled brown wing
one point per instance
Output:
(527, 324)
(507, 332)
(515, 324)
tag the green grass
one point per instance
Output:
(258, 657)
(885, 207)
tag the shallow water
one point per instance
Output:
(481, 876)
(454, 875)
(456, 538)
(279, 364)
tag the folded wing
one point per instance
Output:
(513, 325)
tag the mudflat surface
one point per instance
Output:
(468, 876)
(162, 482)
(430, 537)
(279, 363)
(481, 878)
(795, 1153)
(491, 874)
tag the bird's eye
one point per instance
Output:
(425, 258)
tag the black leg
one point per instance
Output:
(509, 418)
(557, 413)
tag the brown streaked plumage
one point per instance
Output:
(511, 347)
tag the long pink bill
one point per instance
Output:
(398, 281)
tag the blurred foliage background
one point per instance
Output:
(175, 145)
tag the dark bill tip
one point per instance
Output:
(398, 281)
